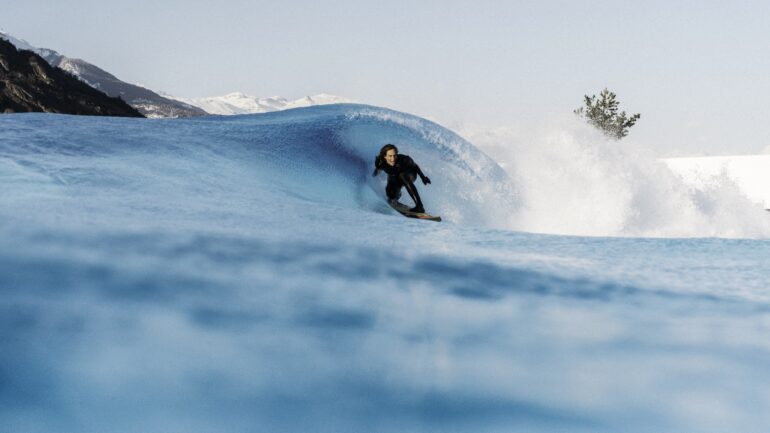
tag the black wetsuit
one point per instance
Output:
(401, 175)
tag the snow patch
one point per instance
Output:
(241, 103)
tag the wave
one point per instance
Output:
(571, 181)
(323, 155)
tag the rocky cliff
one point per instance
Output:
(28, 83)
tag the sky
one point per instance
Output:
(697, 71)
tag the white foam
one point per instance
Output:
(573, 180)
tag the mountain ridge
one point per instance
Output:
(154, 104)
(240, 103)
(146, 101)
(28, 83)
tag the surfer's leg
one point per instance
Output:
(408, 180)
(393, 189)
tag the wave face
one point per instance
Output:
(217, 274)
(323, 154)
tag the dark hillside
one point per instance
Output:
(29, 84)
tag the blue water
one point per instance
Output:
(243, 274)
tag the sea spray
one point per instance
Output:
(573, 180)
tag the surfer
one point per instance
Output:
(402, 171)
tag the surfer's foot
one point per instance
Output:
(417, 209)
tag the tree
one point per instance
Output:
(603, 114)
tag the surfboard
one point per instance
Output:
(404, 210)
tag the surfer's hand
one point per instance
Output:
(425, 180)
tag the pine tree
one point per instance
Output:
(603, 114)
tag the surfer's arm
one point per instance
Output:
(425, 180)
(377, 163)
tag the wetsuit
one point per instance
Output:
(402, 175)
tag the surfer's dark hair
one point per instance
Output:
(386, 148)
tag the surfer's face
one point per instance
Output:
(390, 157)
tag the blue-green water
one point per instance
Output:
(244, 275)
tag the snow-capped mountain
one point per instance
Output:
(157, 104)
(239, 103)
(28, 83)
(148, 102)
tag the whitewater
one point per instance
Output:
(244, 274)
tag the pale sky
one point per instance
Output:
(697, 71)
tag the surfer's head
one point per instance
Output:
(388, 154)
